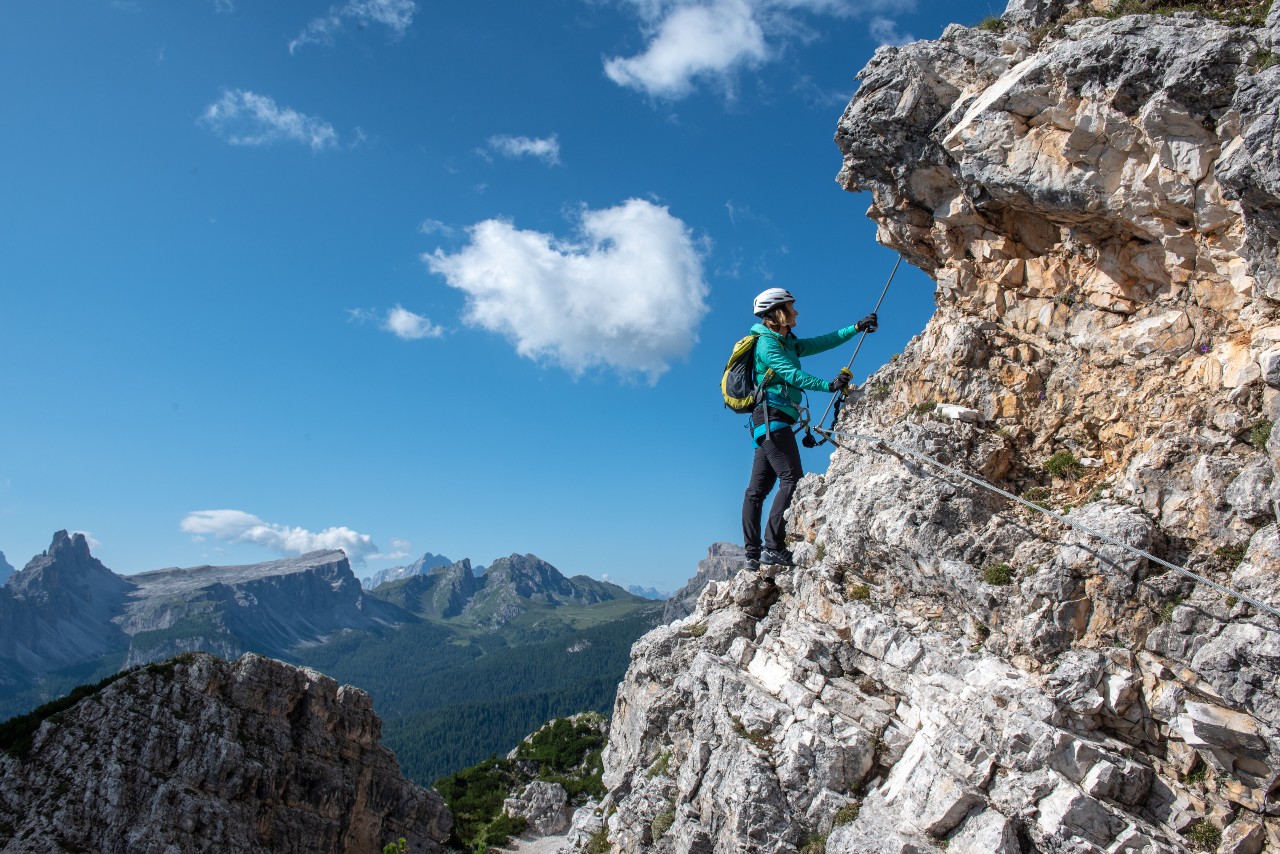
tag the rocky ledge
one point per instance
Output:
(1098, 198)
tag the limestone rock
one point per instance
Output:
(1098, 201)
(723, 561)
(545, 806)
(208, 755)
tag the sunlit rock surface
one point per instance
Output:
(209, 755)
(1099, 203)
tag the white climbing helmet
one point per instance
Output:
(770, 299)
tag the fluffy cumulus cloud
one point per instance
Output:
(625, 292)
(236, 526)
(247, 118)
(547, 149)
(395, 15)
(399, 321)
(693, 40)
(409, 326)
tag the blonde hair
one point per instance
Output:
(776, 318)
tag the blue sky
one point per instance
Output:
(401, 276)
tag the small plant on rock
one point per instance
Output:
(697, 630)
(994, 24)
(1038, 494)
(400, 846)
(857, 592)
(815, 844)
(998, 574)
(1262, 60)
(662, 823)
(1230, 556)
(924, 408)
(848, 813)
(1064, 465)
(1259, 433)
(1204, 835)
(599, 841)
(879, 391)
(1166, 610)
(660, 765)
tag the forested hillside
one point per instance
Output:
(449, 694)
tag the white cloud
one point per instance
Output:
(94, 543)
(224, 6)
(409, 326)
(435, 226)
(885, 31)
(246, 118)
(398, 321)
(547, 149)
(694, 40)
(396, 15)
(400, 545)
(626, 292)
(236, 526)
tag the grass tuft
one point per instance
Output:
(1064, 465)
(1204, 835)
(998, 574)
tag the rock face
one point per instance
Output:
(1098, 201)
(511, 583)
(722, 562)
(6, 570)
(207, 755)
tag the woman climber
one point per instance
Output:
(777, 457)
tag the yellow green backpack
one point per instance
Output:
(738, 383)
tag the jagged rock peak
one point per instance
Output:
(722, 562)
(200, 754)
(66, 568)
(6, 569)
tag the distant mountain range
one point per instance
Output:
(647, 592)
(421, 566)
(438, 651)
(66, 619)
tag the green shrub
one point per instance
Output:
(879, 391)
(1197, 775)
(998, 574)
(847, 814)
(400, 846)
(599, 841)
(660, 765)
(815, 844)
(697, 630)
(1262, 60)
(924, 408)
(1260, 433)
(1204, 835)
(662, 823)
(1038, 494)
(1064, 465)
(1166, 610)
(981, 631)
(994, 24)
(858, 592)
(1230, 556)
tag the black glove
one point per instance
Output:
(867, 324)
(840, 383)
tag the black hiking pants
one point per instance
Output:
(777, 460)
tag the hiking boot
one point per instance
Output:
(777, 557)
(752, 565)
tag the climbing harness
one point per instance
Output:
(832, 435)
(838, 399)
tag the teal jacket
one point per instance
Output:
(786, 389)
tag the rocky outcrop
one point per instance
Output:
(722, 562)
(60, 610)
(207, 755)
(6, 570)
(945, 668)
